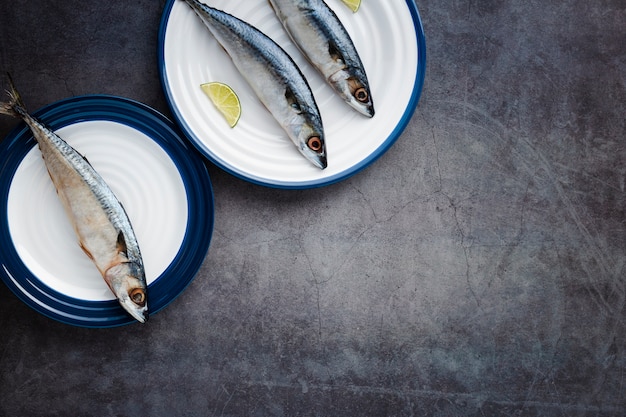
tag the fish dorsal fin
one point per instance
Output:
(121, 244)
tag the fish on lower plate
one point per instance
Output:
(323, 39)
(98, 218)
(274, 77)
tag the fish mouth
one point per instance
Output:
(364, 109)
(320, 161)
(138, 313)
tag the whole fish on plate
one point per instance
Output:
(99, 220)
(274, 77)
(322, 38)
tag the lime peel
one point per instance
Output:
(225, 100)
(352, 4)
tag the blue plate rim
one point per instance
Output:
(347, 173)
(185, 265)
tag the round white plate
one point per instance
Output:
(389, 38)
(163, 186)
(139, 172)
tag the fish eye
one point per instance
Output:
(314, 143)
(138, 296)
(361, 95)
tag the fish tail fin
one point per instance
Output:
(14, 106)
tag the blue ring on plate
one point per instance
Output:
(391, 139)
(183, 268)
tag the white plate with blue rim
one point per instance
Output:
(390, 40)
(159, 178)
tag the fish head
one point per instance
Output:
(355, 91)
(303, 125)
(311, 144)
(127, 281)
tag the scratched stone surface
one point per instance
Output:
(476, 269)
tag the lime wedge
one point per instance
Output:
(225, 100)
(352, 4)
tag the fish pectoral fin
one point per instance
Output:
(121, 244)
(292, 100)
(335, 53)
(225, 50)
(85, 250)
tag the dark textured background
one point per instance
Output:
(476, 269)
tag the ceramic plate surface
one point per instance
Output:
(160, 180)
(389, 38)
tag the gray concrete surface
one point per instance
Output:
(476, 269)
